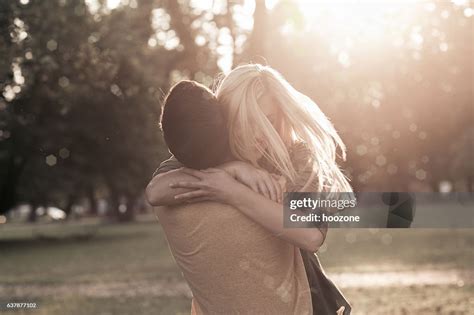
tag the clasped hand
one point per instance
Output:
(222, 184)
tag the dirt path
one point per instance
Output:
(403, 278)
(179, 288)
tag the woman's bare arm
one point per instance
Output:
(270, 215)
(159, 193)
(217, 185)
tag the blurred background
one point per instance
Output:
(81, 86)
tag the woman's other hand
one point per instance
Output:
(213, 185)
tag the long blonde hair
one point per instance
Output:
(303, 121)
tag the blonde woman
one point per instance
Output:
(267, 117)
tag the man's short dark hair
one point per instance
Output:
(193, 125)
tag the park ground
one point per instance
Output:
(91, 268)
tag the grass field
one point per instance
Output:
(126, 269)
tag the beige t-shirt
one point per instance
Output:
(232, 264)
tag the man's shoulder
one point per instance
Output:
(168, 165)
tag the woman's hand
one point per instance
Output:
(213, 185)
(260, 181)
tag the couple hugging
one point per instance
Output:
(219, 197)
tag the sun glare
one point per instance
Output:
(350, 21)
(112, 4)
(354, 26)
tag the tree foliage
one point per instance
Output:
(82, 85)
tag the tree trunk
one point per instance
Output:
(256, 45)
(32, 215)
(114, 203)
(69, 205)
(129, 215)
(92, 202)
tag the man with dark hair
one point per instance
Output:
(196, 134)
(194, 127)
